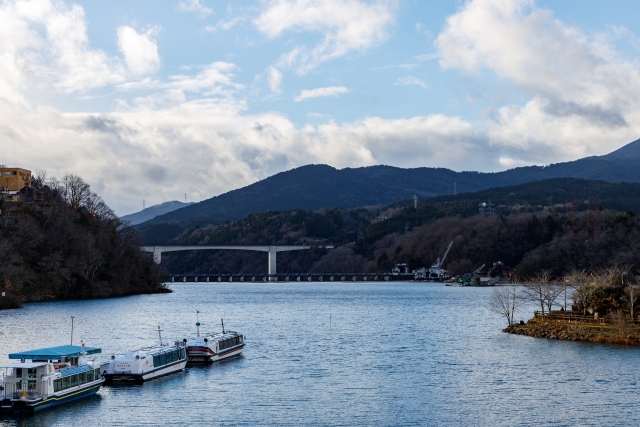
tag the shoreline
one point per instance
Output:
(601, 334)
(36, 299)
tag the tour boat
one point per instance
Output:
(146, 363)
(48, 377)
(214, 347)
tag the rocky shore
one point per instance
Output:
(604, 334)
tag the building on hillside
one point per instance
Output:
(12, 180)
(30, 194)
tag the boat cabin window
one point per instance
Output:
(76, 379)
(230, 342)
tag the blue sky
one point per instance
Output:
(154, 99)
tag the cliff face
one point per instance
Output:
(57, 250)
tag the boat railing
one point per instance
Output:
(21, 388)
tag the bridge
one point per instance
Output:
(271, 249)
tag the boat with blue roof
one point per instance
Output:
(48, 377)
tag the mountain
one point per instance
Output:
(153, 211)
(317, 186)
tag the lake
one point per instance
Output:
(336, 354)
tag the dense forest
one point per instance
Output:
(529, 227)
(70, 246)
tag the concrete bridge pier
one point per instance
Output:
(272, 264)
(157, 257)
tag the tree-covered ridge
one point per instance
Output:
(528, 227)
(71, 246)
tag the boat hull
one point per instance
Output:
(206, 355)
(27, 407)
(133, 377)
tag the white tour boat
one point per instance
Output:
(48, 377)
(214, 347)
(147, 363)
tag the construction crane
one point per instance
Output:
(436, 271)
(439, 263)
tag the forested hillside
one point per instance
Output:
(529, 228)
(70, 246)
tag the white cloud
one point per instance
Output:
(140, 51)
(321, 92)
(194, 6)
(346, 26)
(275, 80)
(584, 94)
(224, 25)
(410, 80)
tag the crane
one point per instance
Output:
(439, 263)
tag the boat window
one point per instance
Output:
(156, 361)
(96, 374)
(31, 373)
(176, 354)
(18, 372)
(83, 377)
(74, 380)
(90, 376)
(183, 355)
(163, 359)
(65, 382)
(57, 385)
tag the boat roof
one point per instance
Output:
(51, 353)
(25, 365)
(75, 370)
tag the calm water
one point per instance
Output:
(394, 354)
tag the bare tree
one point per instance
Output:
(504, 301)
(96, 206)
(631, 290)
(578, 280)
(540, 290)
(39, 179)
(75, 191)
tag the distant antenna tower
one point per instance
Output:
(185, 197)
(415, 201)
(455, 188)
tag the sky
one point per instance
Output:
(159, 100)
